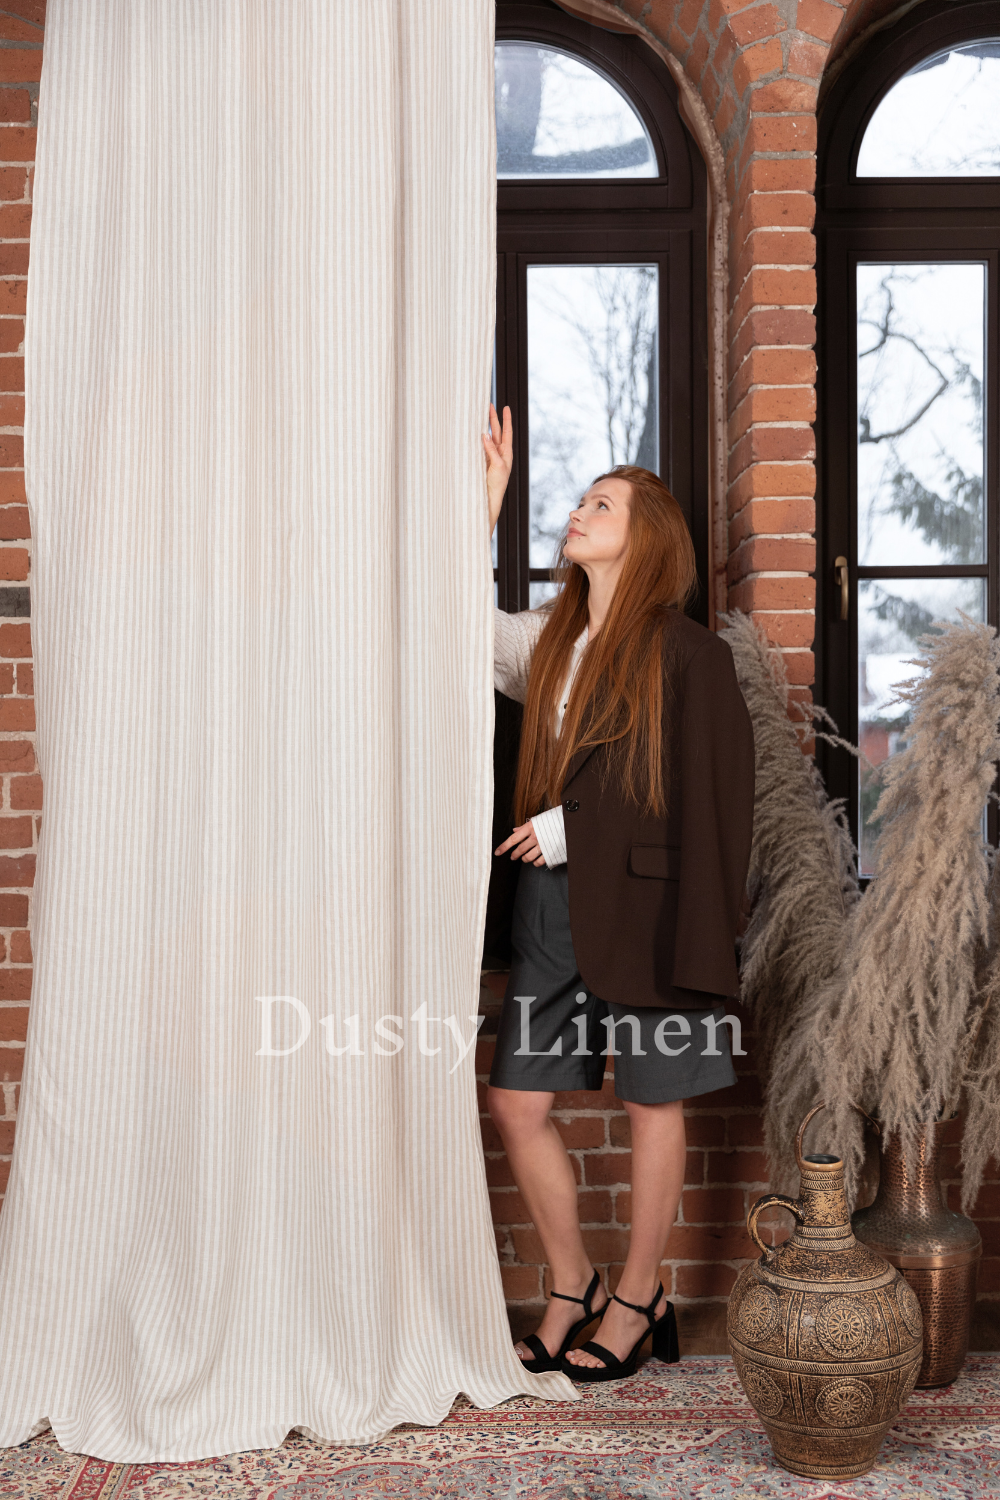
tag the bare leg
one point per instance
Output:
(543, 1172)
(658, 1156)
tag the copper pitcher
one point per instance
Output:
(934, 1248)
(826, 1335)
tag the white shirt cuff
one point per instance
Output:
(550, 832)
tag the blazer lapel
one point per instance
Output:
(577, 763)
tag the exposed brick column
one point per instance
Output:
(757, 67)
(20, 786)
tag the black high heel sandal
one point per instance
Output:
(665, 1347)
(543, 1360)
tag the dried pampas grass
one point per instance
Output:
(802, 885)
(872, 1001)
(891, 999)
(892, 1037)
(978, 1067)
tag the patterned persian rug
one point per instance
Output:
(672, 1432)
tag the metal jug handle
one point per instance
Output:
(802, 1164)
(770, 1201)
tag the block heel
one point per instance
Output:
(542, 1360)
(663, 1329)
(665, 1345)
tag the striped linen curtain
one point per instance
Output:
(247, 1192)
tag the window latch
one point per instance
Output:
(841, 578)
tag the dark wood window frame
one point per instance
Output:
(660, 221)
(589, 222)
(925, 220)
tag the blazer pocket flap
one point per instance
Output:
(655, 861)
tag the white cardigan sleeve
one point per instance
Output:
(550, 831)
(514, 640)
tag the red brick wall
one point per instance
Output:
(757, 66)
(20, 68)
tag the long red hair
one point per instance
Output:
(618, 695)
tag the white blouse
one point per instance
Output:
(514, 641)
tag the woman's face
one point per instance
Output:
(598, 526)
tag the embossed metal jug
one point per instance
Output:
(826, 1335)
(935, 1249)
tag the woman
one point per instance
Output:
(634, 810)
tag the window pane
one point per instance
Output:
(892, 615)
(941, 119)
(921, 335)
(592, 361)
(539, 592)
(557, 117)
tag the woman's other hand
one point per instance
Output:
(499, 447)
(525, 845)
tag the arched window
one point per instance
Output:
(560, 117)
(941, 119)
(909, 238)
(601, 297)
(601, 336)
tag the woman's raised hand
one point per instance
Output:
(499, 447)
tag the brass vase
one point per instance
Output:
(825, 1334)
(935, 1249)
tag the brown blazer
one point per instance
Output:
(654, 903)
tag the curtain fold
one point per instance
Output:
(243, 1198)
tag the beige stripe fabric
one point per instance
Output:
(258, 348)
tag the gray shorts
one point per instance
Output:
(554, 1034)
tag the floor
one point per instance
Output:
(671, 1432)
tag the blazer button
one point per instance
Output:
(571, 805)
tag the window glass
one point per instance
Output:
(538, 593)
(921, 338)
(921, 343)
(592, 388)
(942, 119)
(892, 615)
(558, 117)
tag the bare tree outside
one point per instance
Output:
(558, 117)
(940, 119)
(592, 355)
(920, 479)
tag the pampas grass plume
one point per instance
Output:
(887, 1000)
(802, 886)
(897, 1025)
(978, 1067)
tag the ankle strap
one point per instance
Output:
(635, 1306)
(585, 1300)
